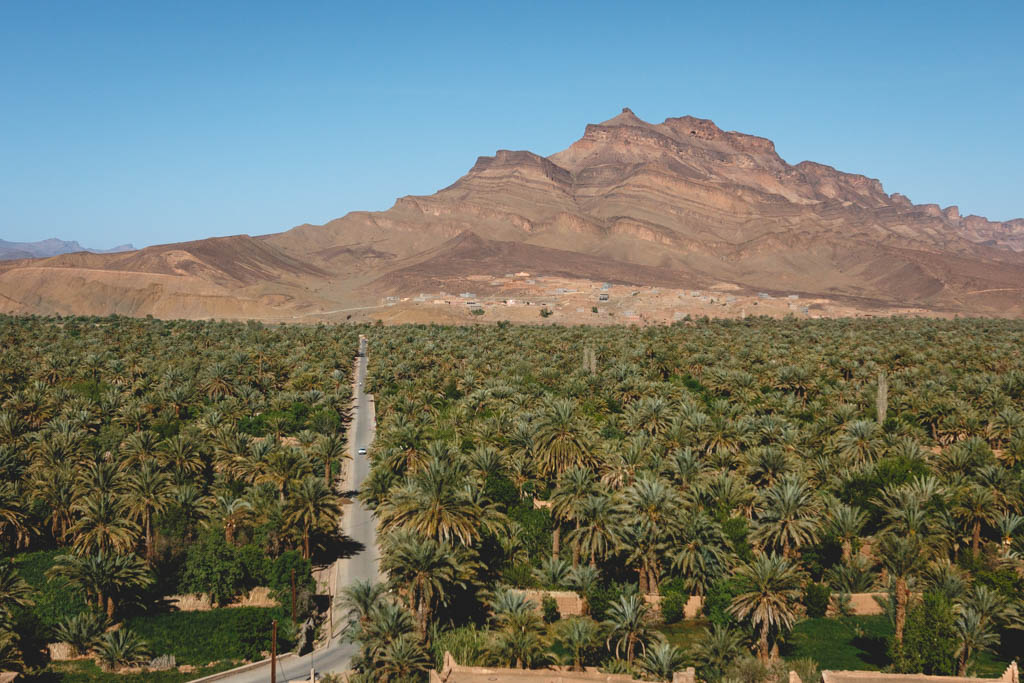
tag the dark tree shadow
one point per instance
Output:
(338, 547)
(874, 649)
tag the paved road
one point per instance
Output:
(358, 524)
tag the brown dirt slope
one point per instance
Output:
(680, 204)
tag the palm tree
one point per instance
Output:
(628, 625)
(232, 513)
(10, 656)
(104, 577)
(82, 631)
(577, 635)
(403, 659)
(312, 505)
(661, 661)
(192, 506)
(1009, 525)
(598, 532)
(14, 591)
(859, 441)
(974, 634)
(976, 506)
(563, 439)
(148, 493)
(653, 506)
(518, 639)
(716, 649)
(424, 570)
(359, 599)
(702, 555)
(904, 557)
(103, 525)
(772, 586)
(386, 623)
(552, 573)
(574, 485)
(182, 453)
(790, 517)
(122, 647)
(141, 447)
(846, 522)
(329, 449)
(435, 502)
(12, 514)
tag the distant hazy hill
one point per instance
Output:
(50, 247)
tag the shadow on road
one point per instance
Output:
(337, 547)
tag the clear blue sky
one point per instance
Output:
(152, 122)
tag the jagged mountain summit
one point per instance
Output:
(681, 206)
(50, 247)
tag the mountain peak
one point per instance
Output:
(677, 204)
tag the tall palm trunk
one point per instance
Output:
(556, 537)
(764, 652)
(149, 537)
(976, 537)
(652, 580)
(902, 595)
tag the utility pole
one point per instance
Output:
(273, 654)
(293, 595)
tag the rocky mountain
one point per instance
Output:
(50, 247)
(681, 205)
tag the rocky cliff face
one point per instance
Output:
(679, 203)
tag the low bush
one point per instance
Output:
(673, 606)
(816, 599)
(199, 638)
(54, 599)
(716, 602)
(549, 606)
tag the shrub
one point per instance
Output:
(600, 597)
(468, 645)
(545, 312)
(120, 648)
(502, 491)
(716, 602)
(198, 638)
(536, 526)
(549, 606)
(213, 568)
(736, 530)
(929, 639)
(673, 606)
(55, 599)
(279, 579)
(519, 575)
(816, 599)
(81, 631)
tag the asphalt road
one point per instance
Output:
(358, 524)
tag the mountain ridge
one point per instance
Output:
(678, 204)
(50, 247)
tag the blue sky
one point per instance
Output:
(151, 122)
